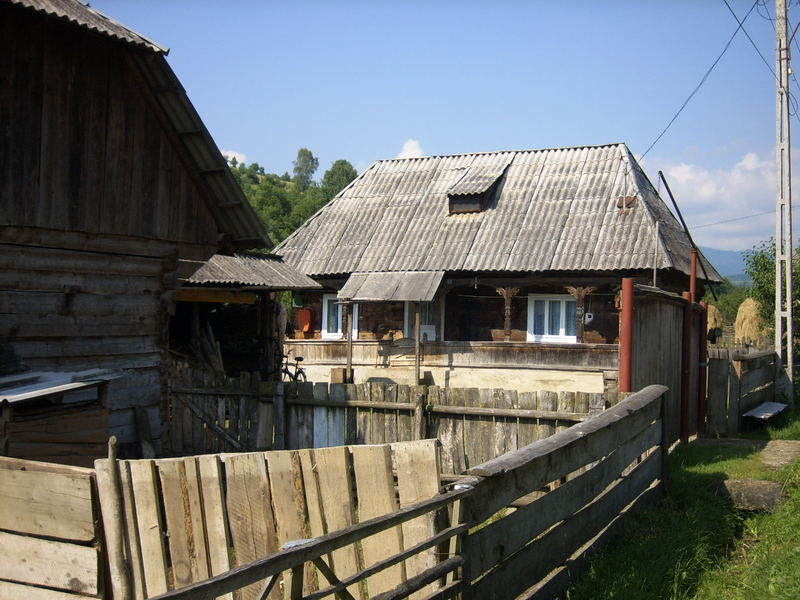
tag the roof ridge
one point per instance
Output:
(515, 151)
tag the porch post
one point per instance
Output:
(416, 343)
(580, 294)
(348, 312)
(626, 336)
(507, 293)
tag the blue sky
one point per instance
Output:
(364, 80)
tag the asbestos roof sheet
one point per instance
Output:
(85, 16)
(548, 210)
(411, 286)
(263, 272)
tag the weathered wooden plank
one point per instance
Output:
(548, 401)
(305, 417)
(390, 418)
(378, 416)
(49, 504)
(376, 497)
(505, 434)
(133, 546)
(288, 501)
(526, 428)
(560, 454)
(13, 591)
(149, 526)
(417, 479)
(184, 522)
(321, 416)
(59, 565)
(351, 425)
(457, 397)
(717, 397)
(493, 543)
(405, 420)
(441, 427)
(338, 506)
(363, 420)
(250, 516)
(336, 418)
(214, 516)
(546, 553)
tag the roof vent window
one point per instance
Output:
(472, 192)
(466, 204)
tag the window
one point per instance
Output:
(551, 318)
(428, 318)
(332, 313)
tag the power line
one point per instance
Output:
(702, 81)
(768, 212)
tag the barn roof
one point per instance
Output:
(589, 208)
(223, 196)
(90, 18)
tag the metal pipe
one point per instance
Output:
(702, 377)
(685, 364)
(686, 229)
(416, 343)
(693, 277)
(626, 336)
(348, 311)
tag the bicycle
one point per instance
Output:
(299, 374)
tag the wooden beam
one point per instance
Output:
(215, 295)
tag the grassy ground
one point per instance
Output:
(696, 545)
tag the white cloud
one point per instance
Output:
(713, 202)
(411, 149)
(240, 158)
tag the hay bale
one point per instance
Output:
(748, 326)
(714, 318)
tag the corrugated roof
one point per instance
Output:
(223, 196)
(92, 19)
(263, 272)
(552, 210)
(411, 286)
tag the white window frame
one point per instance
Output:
(408, 322)
(547, 298)
(339, 334)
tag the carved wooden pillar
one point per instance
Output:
(580, 294)
(507, 293)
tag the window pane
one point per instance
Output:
(538, 317)
(554, 320)
(569, 325)
(332, 326)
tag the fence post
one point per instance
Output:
(734, 393)
(279, 417)
(686, 341)
(664, 443)
(626, 336)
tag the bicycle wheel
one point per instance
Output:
(300, 376)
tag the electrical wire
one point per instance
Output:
(761, 214)
(702, 81)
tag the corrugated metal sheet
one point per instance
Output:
(552, 210)
(87, 17)
(411, 286)
(264, 272)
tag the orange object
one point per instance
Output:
(303, 319)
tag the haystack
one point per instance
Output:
(748, 326)
(714, 318)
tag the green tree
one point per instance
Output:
(305, 165)
(729, 297)
(337, 177)
(760, 267)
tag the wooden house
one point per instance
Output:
(494, 269)
(112, 194)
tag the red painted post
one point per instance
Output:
(702, 377)
(693, 277)
(686, 345)
(626, 336)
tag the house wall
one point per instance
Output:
(96, 208)
(520, 366)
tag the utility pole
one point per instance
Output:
(784, 329)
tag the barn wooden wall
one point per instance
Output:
(81, 147)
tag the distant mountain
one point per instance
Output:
(729, 263)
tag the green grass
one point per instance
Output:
(696, 545)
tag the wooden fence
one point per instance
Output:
(515, 521)
(737, 382)
(473, 425)
(49, 537)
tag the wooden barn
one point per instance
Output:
(112, 194)
(493, 269)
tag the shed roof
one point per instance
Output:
(552, 210)
(245, 270)
(412, 286)
(222, 195)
